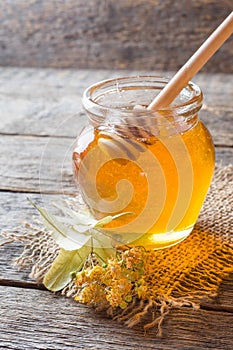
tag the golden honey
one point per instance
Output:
(159, 172)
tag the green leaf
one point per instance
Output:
(77, 230)
(107, 219)
(78, 235)
(78, 218)
(66, 237)
(59, 274)
(103, 254)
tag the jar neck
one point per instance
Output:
(123, 101)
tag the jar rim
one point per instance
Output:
(89, 103)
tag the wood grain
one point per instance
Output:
(15, 210)
(133, 34)
(36, 164)
(60, 323)
(47, 102)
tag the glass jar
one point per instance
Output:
(155, 165)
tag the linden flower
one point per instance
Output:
(117, 283)
(123, 285)
(119, 289)
(141, 289)
(114, 269)
(91, 292)
(95, 273)
(120, 293)
(133, 257)
(81, 278)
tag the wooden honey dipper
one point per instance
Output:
(194, 64)
(169, 92)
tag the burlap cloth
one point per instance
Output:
(179, 276)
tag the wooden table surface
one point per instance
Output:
(40, 107)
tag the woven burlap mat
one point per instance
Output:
(181, 275)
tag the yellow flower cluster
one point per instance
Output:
(114, 284)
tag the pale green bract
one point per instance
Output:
(78, 235)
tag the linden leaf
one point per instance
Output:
(77, 218)
(103, 254)
(107, 219)
(66, 237)
(78, 229)
(77, 239)
(60, 272)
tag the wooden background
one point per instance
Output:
(40, 116)
(114, 34)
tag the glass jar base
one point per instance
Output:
(157, 241)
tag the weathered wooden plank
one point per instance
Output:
(224, 156)
(45, 101)
(38, 164)
(219, 123)
(48, 102)
(15, 210)
(31, 164)
(41, 320)
(135, 34)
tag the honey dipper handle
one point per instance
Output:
(194, 64)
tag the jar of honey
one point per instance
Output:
(154, 165)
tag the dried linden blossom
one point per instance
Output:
(115, 283)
